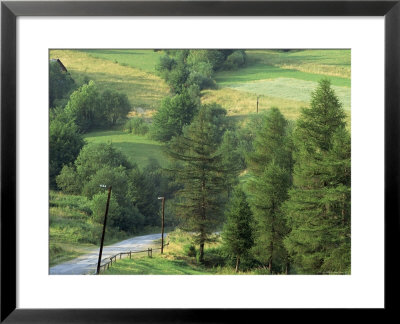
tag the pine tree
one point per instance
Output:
(237, 233)
(318, 209)
(232, 160)
(270, 191)
(270, 163)
(201, 173)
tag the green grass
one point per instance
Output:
(157, 265)
(138, 149)
(257, 72)
(144, 60)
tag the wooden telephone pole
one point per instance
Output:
(257, 103)
(104, 228)
(162, 224)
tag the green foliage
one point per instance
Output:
(110, 176)
(143, 193)
(84, 106)
(237, 234)
(137, 126)
(94, 157)
(60, 85)
(114, 106)
(317, 125)
(65, 143)
(196, 67)
(173, 114)
(68, 180)
(270, 162)
(270, 142)
(232, 160)
(270, 190)
(90, 109)
(98, 207)
(235, 60)
(318, 209)
(189, 250)
(201, 174)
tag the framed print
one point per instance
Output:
(110, 74)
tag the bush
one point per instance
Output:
(235, 60)
(189, 250)
(138, 126)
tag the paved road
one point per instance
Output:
(87, 263)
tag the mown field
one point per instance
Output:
(138, 149)
(282, 79)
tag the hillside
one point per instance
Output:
(280, 79)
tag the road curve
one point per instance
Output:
(87, 263)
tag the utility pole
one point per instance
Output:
(162, 225)
(104, 227)
(257, 103)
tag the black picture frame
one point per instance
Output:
(10, 10)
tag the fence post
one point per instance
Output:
(120, 256)
(151, 252)
(130, 254)
(111, 260)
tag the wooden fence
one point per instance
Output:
(109, 264)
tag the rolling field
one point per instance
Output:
(137, 148)
(282, 79)
(144, 60)
(144, 90)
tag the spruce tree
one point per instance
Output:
(200, 174)
(270, 163)
(270, 190)
(237, 233)
(318, 208)
(232, 160)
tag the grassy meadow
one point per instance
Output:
(138, 149)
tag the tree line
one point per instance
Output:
(295, 215)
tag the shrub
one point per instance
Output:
(139, 126)
(189, 250)
(235, 60)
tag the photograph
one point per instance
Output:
(199, 161)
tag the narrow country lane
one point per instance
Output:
(87, 263)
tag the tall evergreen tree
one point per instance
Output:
(201, 173)
(270, 163)
(318, 209)
(237, 233)
(232, 159)
(270, 191)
